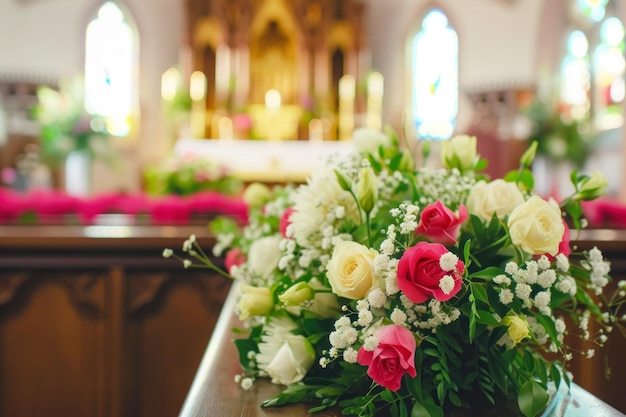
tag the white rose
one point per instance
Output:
(285, 357)
(498, 196)
(367, 140)
(459, 152)
(537, 226)
(350, 270)
(264, 255)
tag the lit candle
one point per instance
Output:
(316, 130)
(169, 84)
(346, 87)
(272, 100)
(375, 87)
(346, 106)
(197, 86)
(197, 92)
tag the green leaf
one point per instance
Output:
(420, 411)
(527, 179)
(487, 318)
(487, 273)
(479, 292)
(532, 398)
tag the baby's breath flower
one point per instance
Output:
(511, 268)
(376, 298)
(350, 355)
(247, 383)
(365, 318)
(167, 253)
(187, 263)
(448, 261)
(398, 316)
(446, 284)
(506, 296)
(370, 343)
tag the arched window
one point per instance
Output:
(593, 68)
(575, 77)
(608, 64)
(110, 54)
(434, 57)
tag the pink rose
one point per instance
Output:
(393, 357)
(284, 221)
(234, 257)
(420, 274)
(440, 224)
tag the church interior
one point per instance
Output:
(126, 124)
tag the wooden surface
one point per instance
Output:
(214, 392)
(95, 322)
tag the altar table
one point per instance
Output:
(214, 392)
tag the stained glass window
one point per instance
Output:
(109, 57)
(435, 77)
(575, 77)
(609, 74)
(594, 9)
(593, 69)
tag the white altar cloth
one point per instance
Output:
(263, 160)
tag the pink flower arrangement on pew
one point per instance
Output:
(379, 287)
(54, 207)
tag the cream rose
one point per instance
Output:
(264, 255)
(497, 197)
(459, 152)
(517, 328)
(350, 270)
(254, 301)
(536, 226)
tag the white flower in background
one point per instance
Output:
(264, 255)
(459, 152)
(284, 356)
(367, 140)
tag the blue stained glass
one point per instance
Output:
(435, 77)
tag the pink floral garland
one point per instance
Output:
(51, 206)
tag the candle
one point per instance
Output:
(346, 87)
(375, 85)
(316, 130)
(169, 84)
(272, 100)
(197, 86)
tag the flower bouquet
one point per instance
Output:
(188, 175)
(65, 124)
(380, 288)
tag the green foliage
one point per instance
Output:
(189, 176)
